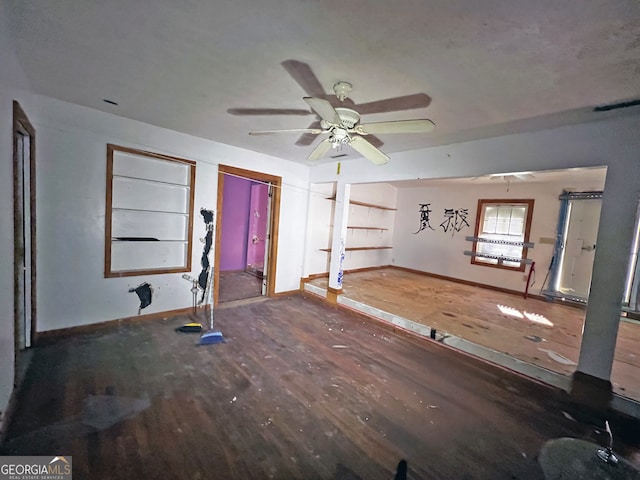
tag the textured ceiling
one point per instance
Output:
(489, 66)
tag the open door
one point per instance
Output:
(258, 238)
(575, 251)
(267, 239)
(259, 242)
(24, 236)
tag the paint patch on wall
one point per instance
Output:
(145, 293)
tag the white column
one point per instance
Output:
(615, 234)
(339, 240)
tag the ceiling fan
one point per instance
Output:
(339, 116)
(512, 177)
(342, 124)
(508, 178)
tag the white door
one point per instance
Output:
(578, 253)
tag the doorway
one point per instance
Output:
(24, 222)
(575, 249)
(246, 234)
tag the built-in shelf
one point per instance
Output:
(147, 180)
(153, 240)
(146, 210)
(351, 249)
(149, 213)
(367, 228)
(364, 228)
(364, 204)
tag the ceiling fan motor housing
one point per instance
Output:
(348, 116)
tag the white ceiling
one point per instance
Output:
(489, 66)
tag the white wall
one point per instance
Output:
(319, 228)
(71, 176)
(381, 194)
(435, 251)
(6, 251)
(12, 81)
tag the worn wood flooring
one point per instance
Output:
(300, 390)
(535, 331)
(238, 286)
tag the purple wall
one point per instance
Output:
(235, 223)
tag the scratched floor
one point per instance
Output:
(300, 390)
(548, 337)
(238, 286)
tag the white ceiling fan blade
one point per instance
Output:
(314, 131)
(323, 147)
(323, 108)
(368, 151)
(399, 126)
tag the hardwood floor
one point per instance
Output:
(238, 286)
(300, 390)
(534, 331)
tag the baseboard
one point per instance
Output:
(285, 294)
(468, 282)
(49, 336)
(313, 276)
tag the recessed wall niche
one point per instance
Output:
(149, 213)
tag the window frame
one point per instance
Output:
(109, 271)
(482, 204)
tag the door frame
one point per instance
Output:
(22, 126)
(272, 227)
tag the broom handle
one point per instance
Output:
(211, 299)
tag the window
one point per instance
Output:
(502, 233)
(149, 213)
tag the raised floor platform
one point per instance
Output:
(536, 338)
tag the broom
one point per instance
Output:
(211, 336)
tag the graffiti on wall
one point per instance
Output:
(425, 211)
(454, 219)
(341, 264)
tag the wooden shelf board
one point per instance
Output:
(351, 249)
(123, 209)
(368, 228)
(149, 180)
(364, 204)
